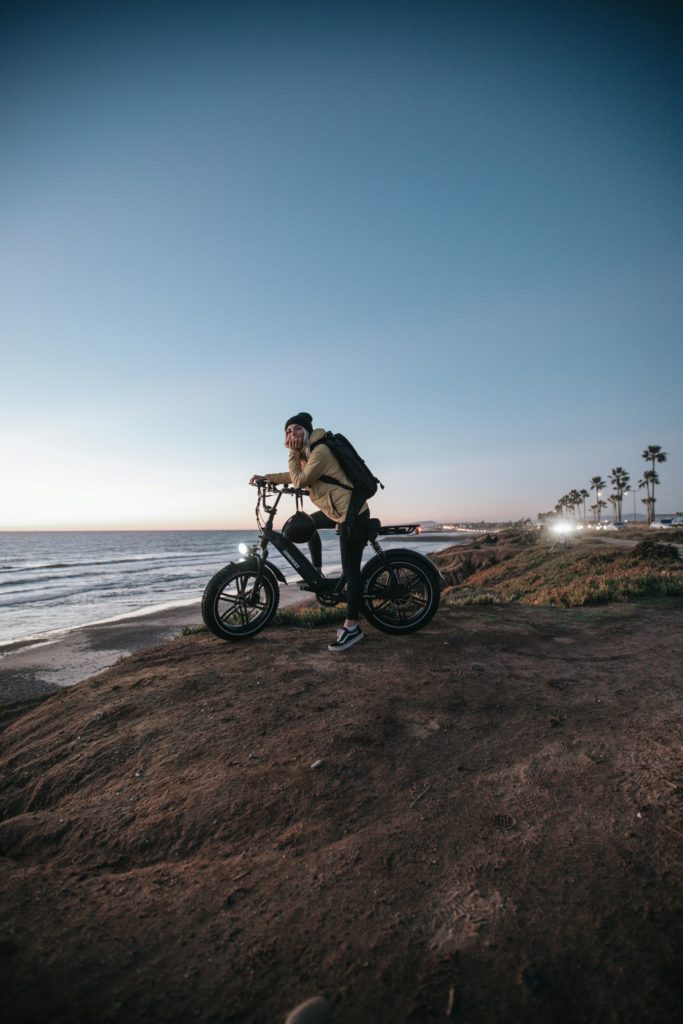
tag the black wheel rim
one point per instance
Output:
(401, 601)
(234, 608)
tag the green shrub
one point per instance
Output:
(657, 551)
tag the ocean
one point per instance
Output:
(51, 583)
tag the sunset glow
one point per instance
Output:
(457, 242)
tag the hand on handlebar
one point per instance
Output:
(256, 479)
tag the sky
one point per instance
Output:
(450, 230)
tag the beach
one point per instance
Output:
(81, 582)
(34, 669)
(481, 821)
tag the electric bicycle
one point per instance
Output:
(401, 588)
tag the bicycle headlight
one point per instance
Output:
(243, 549)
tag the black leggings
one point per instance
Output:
(352, 541)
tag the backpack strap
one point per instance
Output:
(331, 480)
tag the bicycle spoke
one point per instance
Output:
(235, 607)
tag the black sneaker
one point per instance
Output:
(346, 638)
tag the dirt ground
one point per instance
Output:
(482, 822)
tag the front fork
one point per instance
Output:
(259, 553)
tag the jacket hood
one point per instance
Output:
(317, 435)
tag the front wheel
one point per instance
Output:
(232, 610)
(404, 599)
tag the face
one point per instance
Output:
(294, 435)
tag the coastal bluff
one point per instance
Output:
(480, 822)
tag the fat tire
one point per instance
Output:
(226, 595)
(404, 612)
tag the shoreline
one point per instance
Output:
(55, 635)
(10, 645)
(38, 668)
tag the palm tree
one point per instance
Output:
(598, 485)
(649, 480)
(615, 502)
(584, 495)
(562, 505)
(575, 499)
(653, 453)
(597, 508)
(619, 479)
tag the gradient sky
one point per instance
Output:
(450, 230)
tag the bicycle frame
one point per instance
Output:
(331, 588)
(400, 588)
(311, 576)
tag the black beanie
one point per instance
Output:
(302, 419)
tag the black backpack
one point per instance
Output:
(364, 482)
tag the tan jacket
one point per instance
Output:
(332, 500)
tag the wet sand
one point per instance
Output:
(38, 668)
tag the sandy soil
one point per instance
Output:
(481, 823)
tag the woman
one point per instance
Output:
(312, 465)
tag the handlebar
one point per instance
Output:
(268, 487)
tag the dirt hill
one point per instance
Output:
(482, 822)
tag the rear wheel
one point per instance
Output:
(232, 610)
(403, 600)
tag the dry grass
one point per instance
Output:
(575, 574)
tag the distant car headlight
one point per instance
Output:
(562, 527)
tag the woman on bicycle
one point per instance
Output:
(313, 465)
